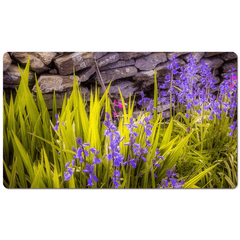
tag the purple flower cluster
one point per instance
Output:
(69, 171)
(137, 151)
(233, 127)
(89, 169)
(80, 156)
(195, 82)
(131, 143)
(144, 100)
(114, 155)
(171, 180)
(173, 66)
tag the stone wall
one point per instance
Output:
(132, 72)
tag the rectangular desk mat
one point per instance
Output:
(115, 120)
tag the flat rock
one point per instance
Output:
(119, 64)
(165, 107)
(197, 55)
(129, 55)
(48, 97)
(148, 85)
(78, 60)
(228, 56)
(210, 54)
(212, 62)
(151, 61)
(145, 75)
(86, 73)
(107, 59)
(99, 54)
(229, 65)
(49, 83)
(113, 74)
(161, 71)
(6, 61)
(35, 63)
(46, 57)
(12, 76)
(171, 54)
(126, 88)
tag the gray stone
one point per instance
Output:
(212, 62)
(229, 65)
(107, 59)
(197, 55)
(12, 76)
(129, 55)
(210, 54)
(35, 63)
(145, 76)
(126, 88)
(161, 71)
(165, 107)
(150, 62)
(53, 71)
(46, 57)
(48, 97)
(86, 73)
(228, 56)
(99, 54)
(171, 55)
(49, 83)
(76, 61)
(86, 94)
(6, 61)
(147, 85)
(119, 64)
(111, 75)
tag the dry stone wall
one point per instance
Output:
(132, 72)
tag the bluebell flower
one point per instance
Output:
(89, 169)
(116, 178)
(171, 172)
(68, 172)
(171, 181)
(115, 140)
(233, 127)
(143, 100)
